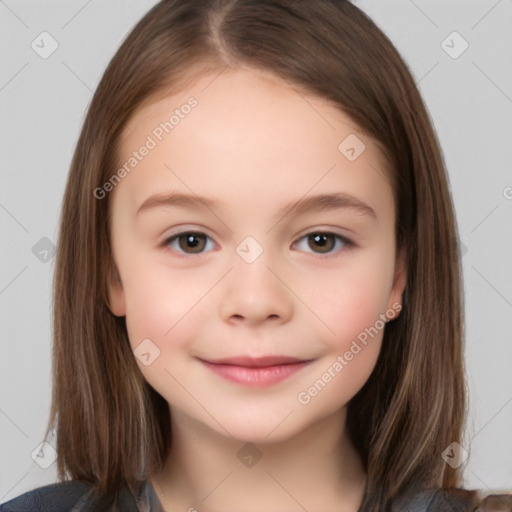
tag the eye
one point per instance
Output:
(188, 242)
(323, 242)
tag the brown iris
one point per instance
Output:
(193, 241)
(323, 241)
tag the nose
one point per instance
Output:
(256, 292)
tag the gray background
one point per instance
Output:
(42, 104)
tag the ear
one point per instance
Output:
(116, 297)
(399, 280)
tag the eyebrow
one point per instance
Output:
(320, 202)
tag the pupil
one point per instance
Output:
(322, 240)
(191, 241)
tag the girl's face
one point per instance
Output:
(251, 277)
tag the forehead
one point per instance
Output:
(251, 131)
(247, 98)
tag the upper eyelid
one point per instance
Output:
(302, 235)
(343, 238)
(328, 231)
(348, 242)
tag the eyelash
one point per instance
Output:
(347, 243)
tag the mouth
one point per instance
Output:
(256, 372)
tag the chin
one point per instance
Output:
(262, 425)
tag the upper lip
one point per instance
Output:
(256, 362)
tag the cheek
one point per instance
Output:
(164, 305)
(167, 316)
(154, 309)
(351, 307)
(350, 301)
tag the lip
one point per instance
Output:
(256, 372)
(256, 362)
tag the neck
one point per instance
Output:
(319, 469)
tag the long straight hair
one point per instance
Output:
(112, 427)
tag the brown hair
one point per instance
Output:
(113, 428)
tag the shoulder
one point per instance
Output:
(424, 499)
(495, 503)
(467, 500)
(454, 500)
(79, 496)
(470, 501)
(57, 497)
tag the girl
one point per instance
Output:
(257, 292)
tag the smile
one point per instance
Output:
(256, 372)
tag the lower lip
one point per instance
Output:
(255, 377)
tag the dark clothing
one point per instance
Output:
(76, 496)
